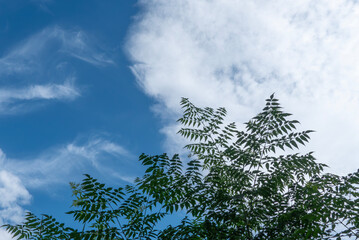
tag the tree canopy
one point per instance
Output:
(235, 184)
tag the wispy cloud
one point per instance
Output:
(60, 164)
(14, 100)
(236, 53)
(46, 47)
(39, 68)
(50, 91)
(55, 166)
(43, 5)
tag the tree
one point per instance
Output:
(236, 184)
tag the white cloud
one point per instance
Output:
(50, 91)
(38, 68)
(13, 196)
(4, 235)
(34, 53)
(58, 165)
(61, 164)
(236, 53)
(10, 97)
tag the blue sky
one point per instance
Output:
(69, 103)
(87, 86)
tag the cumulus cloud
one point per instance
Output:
(5, 235)
(236, 53)
(13, 196)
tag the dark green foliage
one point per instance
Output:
(235, 185)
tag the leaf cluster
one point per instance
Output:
(236, 184)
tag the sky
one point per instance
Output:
(86, 86)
